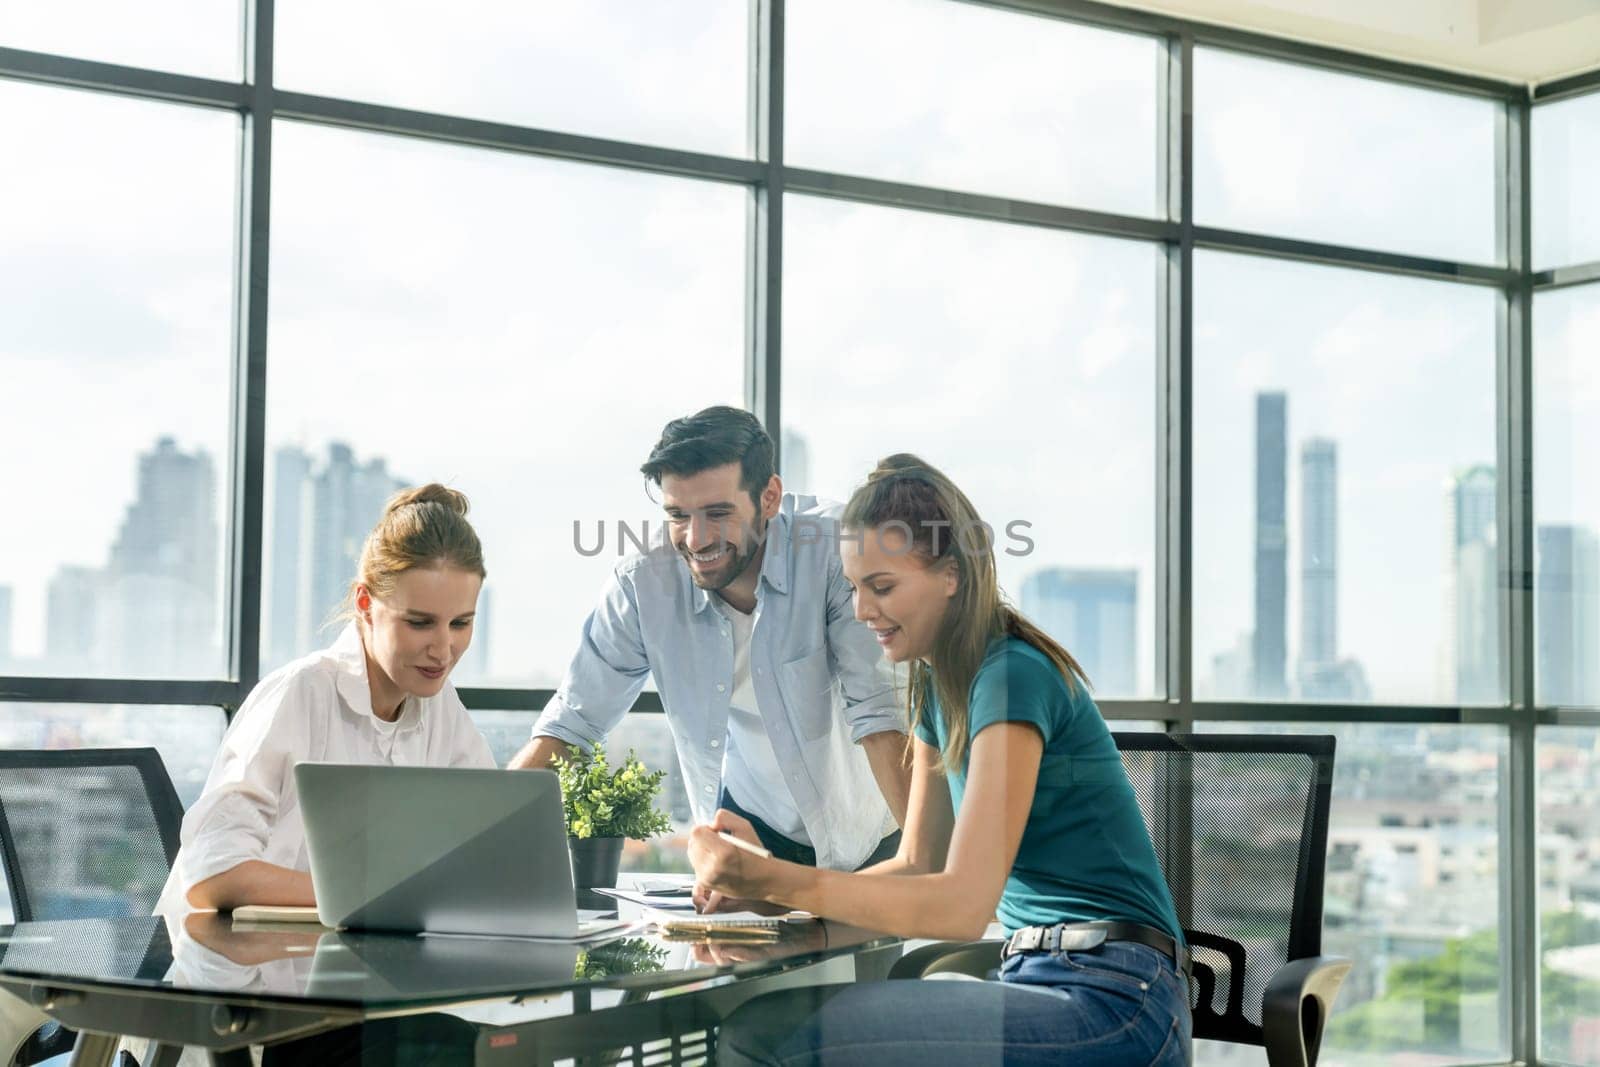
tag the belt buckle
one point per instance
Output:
(1027, 939)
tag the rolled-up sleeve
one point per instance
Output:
(605, 676)
(233, 819)
(871, 705)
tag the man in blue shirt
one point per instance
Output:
(781, 705)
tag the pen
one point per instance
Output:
(754, 850)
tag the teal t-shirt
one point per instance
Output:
(1086, 853)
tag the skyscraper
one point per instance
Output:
(70, 614)
(1094, 613)
(1567, 603)
(159, 611)
(1320, 673)
(1269, 643)
(346, 500)
(291, 473)
(1319, 555)
(1472, 586)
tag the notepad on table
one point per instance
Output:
(725, 923)
(276, 913)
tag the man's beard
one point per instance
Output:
(739, 557)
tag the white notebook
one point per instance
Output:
(276, 913)
(726, 918)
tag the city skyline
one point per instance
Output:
(153, 605)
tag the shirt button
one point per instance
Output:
(710, 789)
(716, 744)
(760, 671)
(721, 688)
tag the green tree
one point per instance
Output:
(1468, 965)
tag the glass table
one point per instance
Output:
(202, 981)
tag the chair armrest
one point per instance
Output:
(1295, 1008)
(19, 1021)
(974, 958)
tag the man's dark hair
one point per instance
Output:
(712, 438)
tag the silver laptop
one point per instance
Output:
(442, 850)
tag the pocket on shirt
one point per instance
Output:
(807, 687)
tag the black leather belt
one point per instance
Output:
(1079, 937)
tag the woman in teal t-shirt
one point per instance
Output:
(1019, 808)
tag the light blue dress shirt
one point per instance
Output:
(819, 676)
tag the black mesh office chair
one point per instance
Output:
(84, 833)
(1240, 824)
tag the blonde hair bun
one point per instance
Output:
(432, 493)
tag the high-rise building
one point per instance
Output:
(1472, 587)
(1319, 555)
(1567, 604)
(5, 628)
(159, 612)
(291, 475)
(1320, 673)
(796, 462)
(1269, 641)
(346, 500)
(1094, 613)
(71, 601)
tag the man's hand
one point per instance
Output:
(538, 754)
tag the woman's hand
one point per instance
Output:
(722, 870)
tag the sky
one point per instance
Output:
(521, 327)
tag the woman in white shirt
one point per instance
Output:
(379, 695)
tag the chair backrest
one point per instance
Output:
(1240, 824)
(89, 832)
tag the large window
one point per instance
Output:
(1412, 895)
(1566, 170)
(88, 827)
(672, 74)
(518, 328)
(1299, 152)
(116, 291)
(1299, 448)
(965, 97)
(1567, 497)
(1019, 361)
(1345, 486)
(1569, 895)
(188, 36)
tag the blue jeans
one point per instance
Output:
(1120, 1005)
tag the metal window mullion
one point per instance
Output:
(1564, 277)
(250, 359)
(46, 68)
(764, 367)
(1175, 560)
(1520, 951)
(44, 690)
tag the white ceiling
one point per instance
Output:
(1512, 40)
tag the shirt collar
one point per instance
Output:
(349, 659)
(774, 564)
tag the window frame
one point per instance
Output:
(766, 176)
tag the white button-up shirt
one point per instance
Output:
(317, 708)
(820, 679)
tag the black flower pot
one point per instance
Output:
(595, 861)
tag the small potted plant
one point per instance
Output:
(604, 806)
(631, 955)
